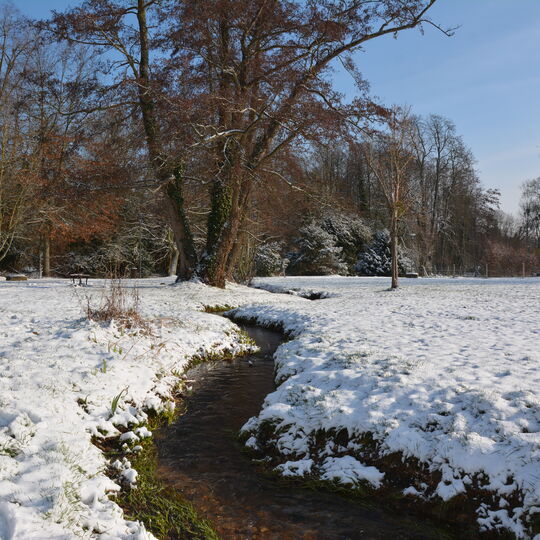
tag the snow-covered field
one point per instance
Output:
(446, 371)
(443, 370)
(59, 375)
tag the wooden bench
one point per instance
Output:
(79, 277)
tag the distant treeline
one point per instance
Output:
(205, 139)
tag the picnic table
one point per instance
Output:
(79, 277)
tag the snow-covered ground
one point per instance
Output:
(59, 376)
(446, 371)
(443, 370)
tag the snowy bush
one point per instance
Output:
(329, 245)
(124, 254)
(317, 253)
(269, 261)
(350, 233)
(377, 259)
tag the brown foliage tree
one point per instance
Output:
(261, 70)
(238, 81)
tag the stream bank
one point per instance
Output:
(200, 455)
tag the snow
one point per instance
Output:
(59, 376)
(443, 370)
(348, 470)
(295, 468)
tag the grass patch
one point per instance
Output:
(162, 508)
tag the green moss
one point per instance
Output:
(162, 508)
(220, 209)
(218, 308)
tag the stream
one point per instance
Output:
(200, 454)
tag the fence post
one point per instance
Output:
(487, 272)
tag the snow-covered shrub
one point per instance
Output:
(376, 260)
(329, 244)
(269, 261)
(350, 233)
(317, 253)
(124, 254)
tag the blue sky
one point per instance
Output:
(486, 79)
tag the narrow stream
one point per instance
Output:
(201, 455)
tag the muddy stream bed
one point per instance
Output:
(200, 454)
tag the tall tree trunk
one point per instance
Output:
(229, 199)
(46, 247)
(223, 219)
(172, 180)
(187, 255)
(238, 250)
(173, 262)
(223, 226)
(394, 249)
(215, 268)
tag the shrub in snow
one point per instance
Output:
(269, 261)
(317, 253)
(329, 245)
(350, 233)
(118, 304)
(377, 259)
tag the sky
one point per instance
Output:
(486, 79)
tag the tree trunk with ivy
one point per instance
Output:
(223, 226)
(170, 178)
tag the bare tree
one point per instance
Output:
(57, 82)
(17, 168)
(122, 28)
(390, 157)
(264, 79)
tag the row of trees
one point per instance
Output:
(169, 135)
(418, 178)
(221, 89)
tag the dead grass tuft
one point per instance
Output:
(117, 303)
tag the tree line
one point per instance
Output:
(154, 136)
